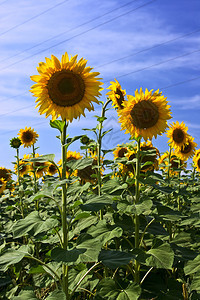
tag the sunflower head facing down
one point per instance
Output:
(65, 88)
(187, 150)
(2, 185)
(24, 168)
(5, 174)
(177, 134)
(15, 142)
(196, 160)
(116, 94)
(28, 136)
(145, 114)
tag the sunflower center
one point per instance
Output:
(119, 98)
(4, 174)
(52, 168)
(178, 135)
(198, 162)
(186, 148)
(144, 114)
(66, 88)
(27, 136)
(122, 152)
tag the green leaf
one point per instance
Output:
(55, 295)
(161, 257)
(25, 295)
(67, 256)
(42, 158)
(80, 163)
(192, 266)
(12, 256)
(58, 124)
(110, 290)
(96, 203)
(113, 185)
(114, 259)
(33, 224)
(195, 284)
(69, 141)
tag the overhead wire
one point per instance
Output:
(64, 32)
(32, 18)
(79, 34)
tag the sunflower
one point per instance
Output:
(65, 88)
(15, 142)
(28, 136)
(175, 162)
(196, 160)
(116, 94)
(120, 151)
(177, 134)
(187, 150)
(5, 174)
(2, 185)
(70, 156)
(145, 115)
(51, 169)
(24, 168)
(87, 174)
(151, 156)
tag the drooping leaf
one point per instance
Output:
(160, 257)
(192, 266)
(55, 295)
(58, 124)
(67, 256)
(114, 259)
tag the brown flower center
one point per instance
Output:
(27, 137)
(144, 114)
(66, 88)
(198, 163)
(119, 98)
(4, 173)
(52, 169)
(121, 152)
(178, 135)
(186, 148)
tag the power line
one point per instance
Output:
(64, 32)
(32, 18)
(123, 75)
(157, 64)
(79, 34)
(163, 88)
(150, 48)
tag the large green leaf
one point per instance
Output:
(96, 203)
(25, 295)
(195, 285)
(160, 257)
(33, 223)
(67, 256)
(114, 259)
(58, 124)
(12, 256)
(113, 186)
(42, 158)
(110, 290)
(192, 266)
(55, 295)
(80, 163)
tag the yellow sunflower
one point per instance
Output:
(5, 174)
(51, 169)
(145, 114)
(28, 136)
(70, 155)
(2, 185)
(187, 150)
(116, 94)
(175, 162)
(196, 160)
(65, 88)
(120, 151)
(151, 157)
(177, 134)
(24, 168)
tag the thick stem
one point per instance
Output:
(19, 183)
(34, 175)
(99, 142)
(64, 208)
(137, 198)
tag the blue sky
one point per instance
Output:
(143, 43)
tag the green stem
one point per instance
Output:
(49, 268)
(64, 207)
(34, 176)
(99, 142)
(137, 198)
(19, 182)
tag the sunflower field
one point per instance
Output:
(119, 223)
